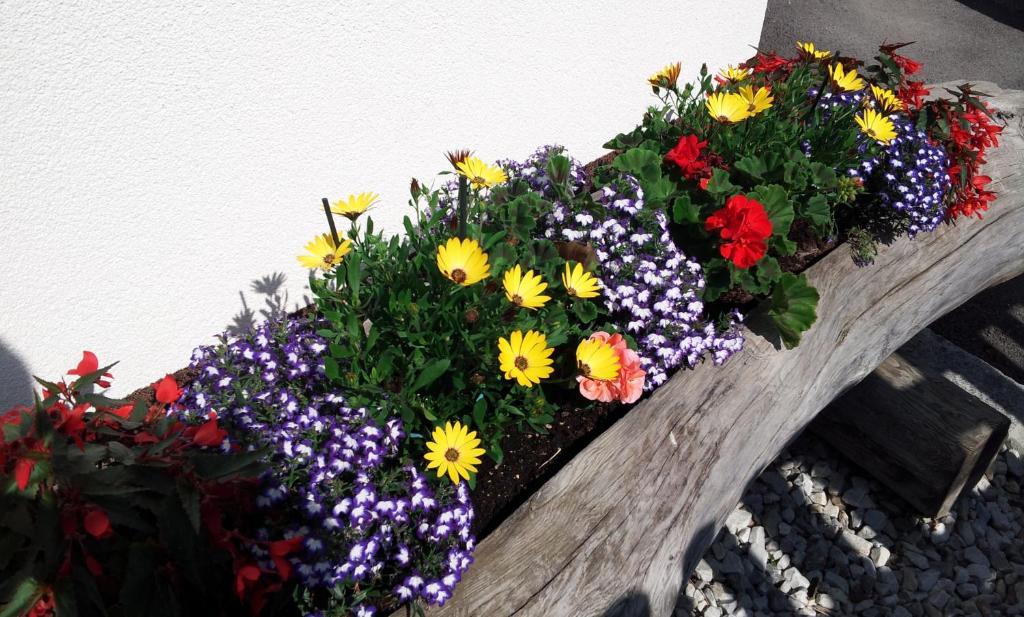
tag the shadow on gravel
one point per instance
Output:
(15, 381)
(1009, 12)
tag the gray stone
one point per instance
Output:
(975, 555)
(927, 579)
(938, 598)
(704, 571)
(875, 518)
(758, 552)
(856, 543)
(880, 555)
(738, 519)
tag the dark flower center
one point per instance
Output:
(329, 258)
(451, 455)
(479, 180)
(517, 299)
(522, 363)
(459, 275)
(584, 369)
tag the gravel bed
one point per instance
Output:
(814, 536)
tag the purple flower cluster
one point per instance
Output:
(909, 177)
(338, 480)
(648, 284)
(533, 171)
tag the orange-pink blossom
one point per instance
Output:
(629, 386)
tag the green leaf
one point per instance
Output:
(776, 203)
(217, 466)
(719, 184)
(752, 166)
(584, 310)
(331, 369)
(643, 164)
(824, 176)
(479, 409)
(430, 373)
(24, 596)
(794, 304)
(817, 211)
(684, 211)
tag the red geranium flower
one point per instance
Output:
(167, 390)
(744, 227)
(686, 154)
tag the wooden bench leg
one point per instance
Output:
(916, 432)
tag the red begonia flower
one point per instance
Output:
(90, 364)
(209, 434)
(279, 550)
(23, 471)
(167, 390)
(744, 227)
(245, 577)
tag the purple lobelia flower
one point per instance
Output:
(648, 284)
(367, 517)
(909, 178)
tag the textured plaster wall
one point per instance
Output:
(157, 157)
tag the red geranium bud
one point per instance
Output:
(97, 523)
(209, 434)
(704, 183)
(167, 390)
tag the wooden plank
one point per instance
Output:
(629, 517)
(916, 432)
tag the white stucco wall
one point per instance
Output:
(158, 156)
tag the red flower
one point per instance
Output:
(97, 523)
(279, 550)
(909, 66)
(686, 154)
(23, 471)
(209, 434)
(246, 577)
(90, 364)
(167, 390)
(45, 606)
(769, 63)
(703, 182)
(745, 227)
(913, 94)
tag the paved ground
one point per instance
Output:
(970, 40)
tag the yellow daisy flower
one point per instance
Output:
(525, 289)
(808, 50)
(525, 358)
(580, 283)
(876, 125)
(727, 107)
(847, 81)
(757, 100)
(666, 77)
(324, 253)
(480, 174)
(354, 205)
(463, 261)
(597, 359)
(886, 100)
(734, 74)
(454, 451)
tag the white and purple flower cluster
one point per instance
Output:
(338, 479)
(533, 171)
(648, 284)
(910, 177)
(647, 281)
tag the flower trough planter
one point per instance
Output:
(626, 520)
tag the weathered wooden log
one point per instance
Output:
(916, 432)
(627, 519)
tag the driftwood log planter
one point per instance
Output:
(624, 522)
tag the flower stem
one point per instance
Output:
(330, 221)
(463, 205)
